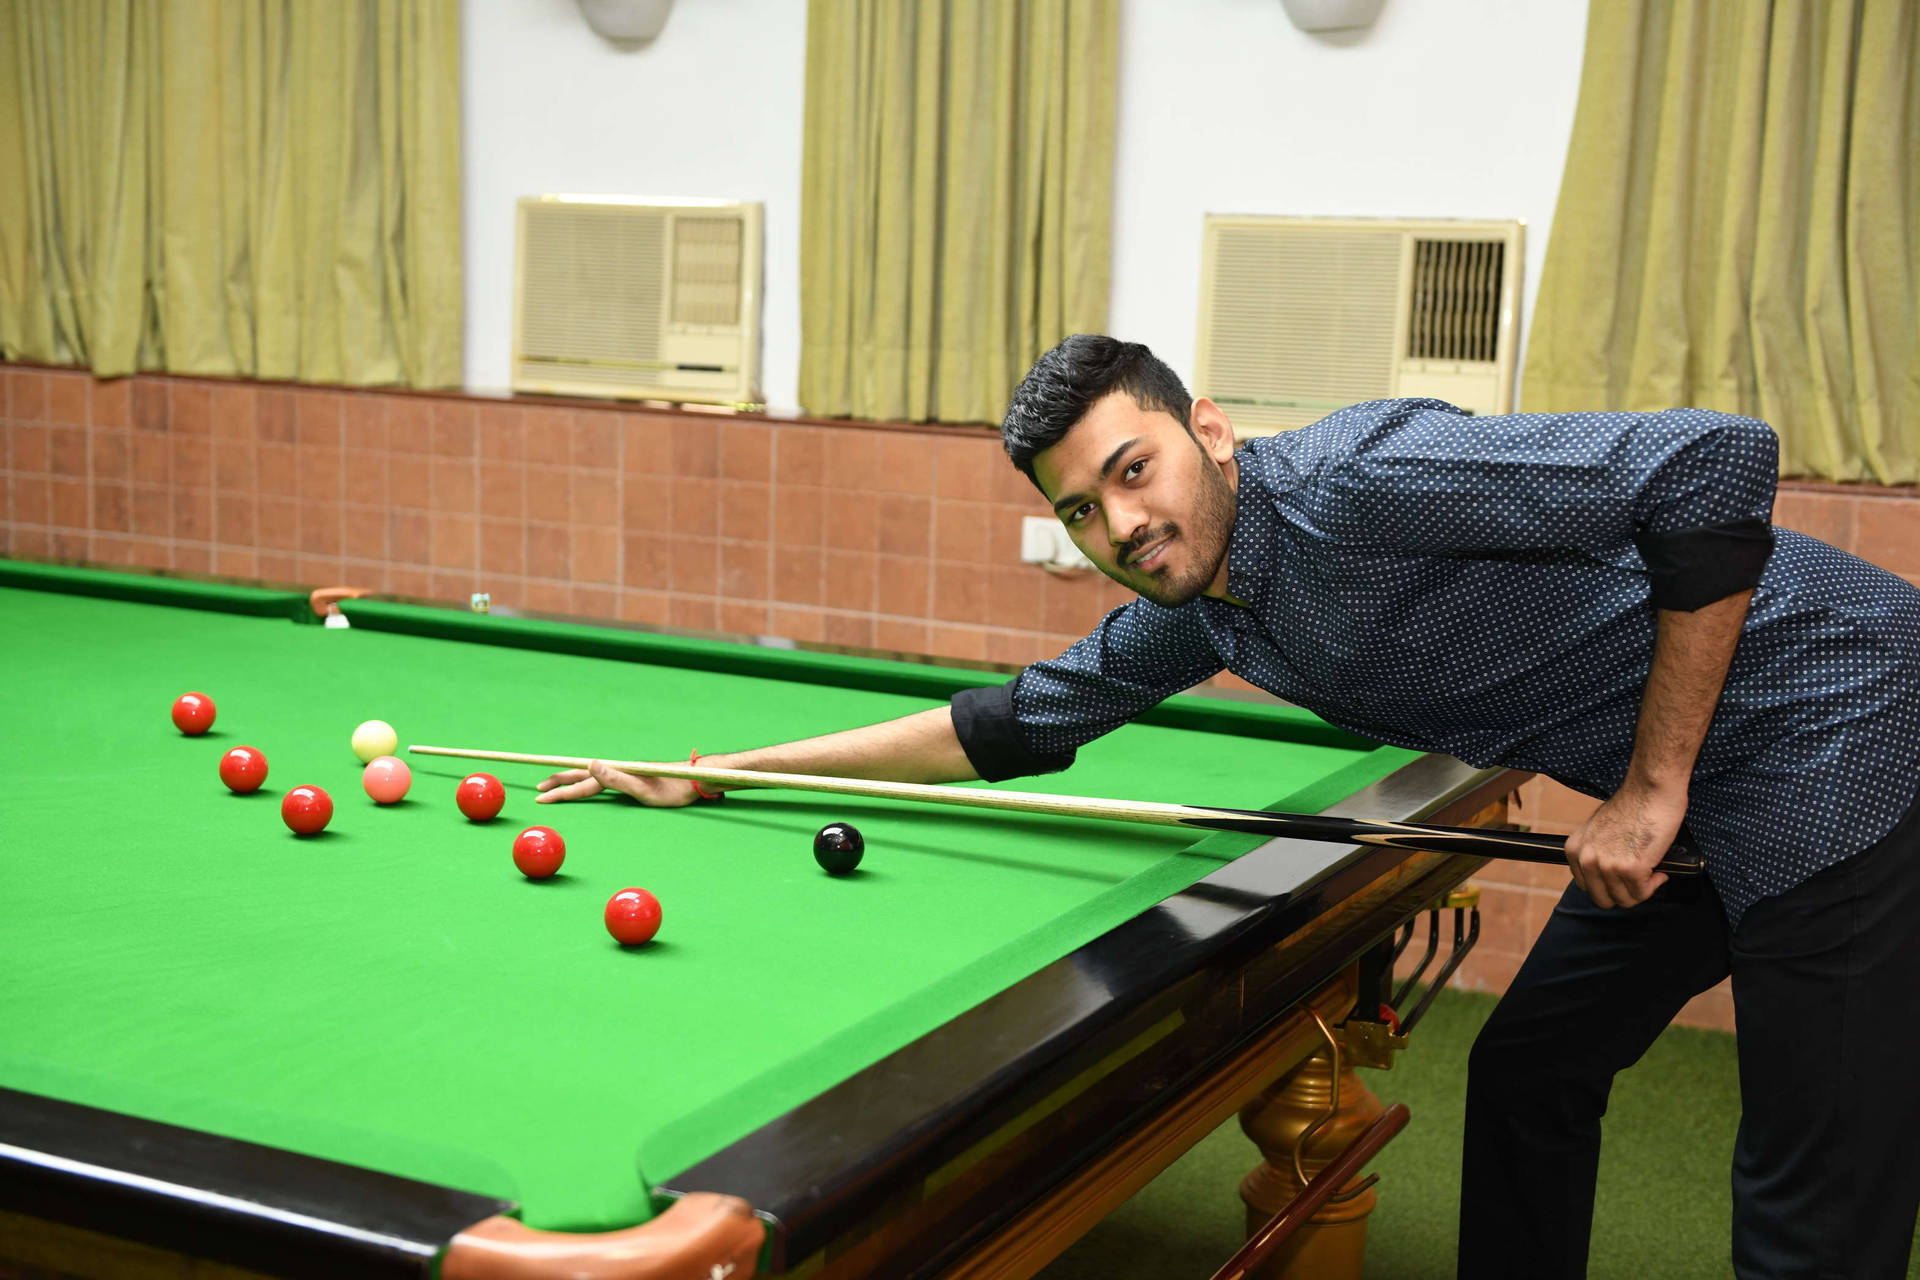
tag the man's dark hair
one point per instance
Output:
(1064, 383)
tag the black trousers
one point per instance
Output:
(1826, 992)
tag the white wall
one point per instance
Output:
(1444, 108)
(711, 107)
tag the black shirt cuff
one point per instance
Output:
(991, 737)
(1695, 567)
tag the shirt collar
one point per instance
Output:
(1250, 549)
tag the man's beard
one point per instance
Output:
(1205, 541)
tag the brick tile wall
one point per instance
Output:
(895, 537)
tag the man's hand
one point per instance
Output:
(1613, 853)
(598, 776)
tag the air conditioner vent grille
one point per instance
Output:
(1455, 305)
(592, 284)
(603, 375)
(1302, 324)
(706, 271)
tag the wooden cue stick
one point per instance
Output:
(1520, 846)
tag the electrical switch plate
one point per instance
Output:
(1036, 539)
(1047, 542)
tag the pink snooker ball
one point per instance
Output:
(386, 779)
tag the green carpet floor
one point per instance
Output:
(1663, 1206)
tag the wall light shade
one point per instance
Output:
(626, 19)
(1329, 15)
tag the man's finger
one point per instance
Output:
(566, 777)
(1629, 885)
(616, 780)
(1600, 886)
(1573, 862)
(575, 791)
(1638, 884)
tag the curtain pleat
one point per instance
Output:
(1739, 227)
(956, 199)
(233, 187)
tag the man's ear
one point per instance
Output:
(1209, 424)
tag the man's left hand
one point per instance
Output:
(1614, 852)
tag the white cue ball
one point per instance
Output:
(375, 738)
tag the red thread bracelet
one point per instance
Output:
(694, 760)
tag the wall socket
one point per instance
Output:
(1046, 541)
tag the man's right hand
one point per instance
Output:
(598, 776)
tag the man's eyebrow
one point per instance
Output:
(1106, 469)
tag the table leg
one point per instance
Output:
(1332, 1246)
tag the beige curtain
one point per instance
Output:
(956, 199)
(261, 188)
(1739, 226)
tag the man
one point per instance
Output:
(1595, 597)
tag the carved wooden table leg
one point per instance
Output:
(1333, 1244)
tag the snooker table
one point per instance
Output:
(229, 1050)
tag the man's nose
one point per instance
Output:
(1125, 522)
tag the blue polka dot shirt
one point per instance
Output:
(1487, 587)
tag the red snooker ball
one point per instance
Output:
(538, 852)
(633, 916)
(480, 796)
(193, 714)
(243, 769)
(306, 810)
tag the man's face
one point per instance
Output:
(1149, 504)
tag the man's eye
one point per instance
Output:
(1079, 513)
(1135, 469)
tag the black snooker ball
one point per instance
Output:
(837, 848)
